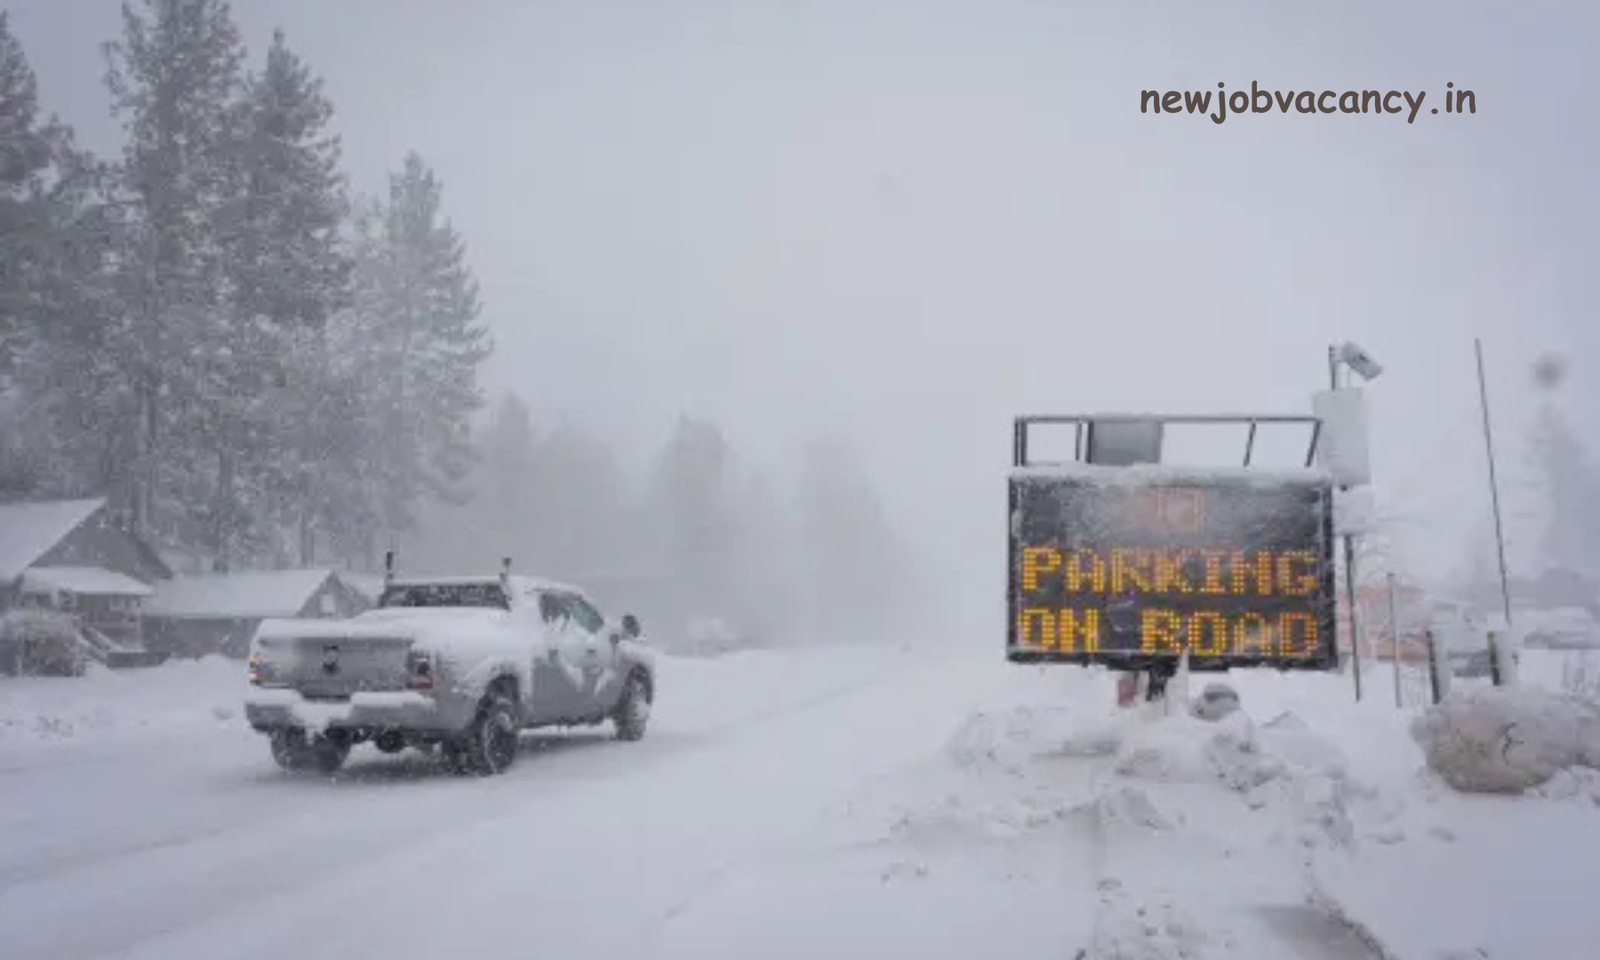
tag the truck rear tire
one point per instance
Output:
(489, 746)
(290, 750)
(296, 751)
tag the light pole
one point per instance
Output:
(1494, 485)
(1350, 355)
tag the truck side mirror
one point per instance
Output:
(630, 626)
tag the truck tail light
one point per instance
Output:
(255, 669)
(419, 667)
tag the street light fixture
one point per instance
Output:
(1352, 355)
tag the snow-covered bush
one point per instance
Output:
(1508, 739)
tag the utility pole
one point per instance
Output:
(1494, 486)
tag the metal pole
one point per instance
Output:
(1436, 681)
(1349, 554)
(1494, 486)
(1394, 632)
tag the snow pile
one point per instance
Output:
(1009, 741)
(1005, 771)
(1508, 739)
(182, 695)
(1202, 838)
(998, 778)
(1183, 748)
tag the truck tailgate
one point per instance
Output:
(333, 665)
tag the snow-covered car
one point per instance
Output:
(461, 663)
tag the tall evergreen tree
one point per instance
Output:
(289, 272)
(58, 362)
(416, 343)
(25, 157)
(175, 77)
(287, 260)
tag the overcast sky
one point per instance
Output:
(911, 221)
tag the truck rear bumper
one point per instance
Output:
(268, 710)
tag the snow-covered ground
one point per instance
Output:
(795, 803)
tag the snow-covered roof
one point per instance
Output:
(369, 585)
(84, 581)
(29, 530)
(246, 596)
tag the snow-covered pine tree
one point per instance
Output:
(289, 271)
(414, 344)
(287, 259)
(25, 157)
(61, 389)
(175, 77)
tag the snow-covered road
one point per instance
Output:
(185, 841)
(848, 803)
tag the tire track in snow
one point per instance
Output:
(591, 819)
(318, 832)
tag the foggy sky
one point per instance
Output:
(911, 221)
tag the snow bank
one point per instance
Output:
(1508, 739)
(184, 695)
(1205, 838)
(1186, 749)
(698, 697)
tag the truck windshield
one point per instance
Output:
(445, 595)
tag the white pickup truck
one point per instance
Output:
(462, 663)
